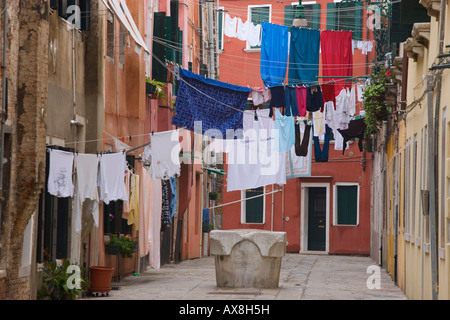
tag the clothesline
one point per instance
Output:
(250, 198)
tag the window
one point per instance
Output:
(253, 209)
(345, 16)
(414, 186)
(346, 203)
(258, 14)
(54, 219)
(406, 183)
(310, 10)
(122, 37)
(110, 35)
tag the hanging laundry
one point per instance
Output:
(248, 169)
(87, 172)
(230, 26)
(299, 158)
(243, 29)
(133, 203)
(341, 117)
(165, 154)
(254, 35)
(145, 187)
(337, 58)
(173, 198)
(314, 98)
(60, 182)
(260, 95)
(165, 205)
(360, 88)
(274, 53)
(206, 105)
(304, 56)
(319, 123)
(277, 98)
(154, 234)
(338, 140)
(291, 101)
(302, 145)
(126, 206)
(301, 100)
(321, 155)
(356, 129)
(351, 107)
(284, 132)
(328, 92)
(112, 177)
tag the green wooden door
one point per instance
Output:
(317, 220)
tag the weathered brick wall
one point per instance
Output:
(27, 71)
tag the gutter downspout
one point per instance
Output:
(431, 185)
(4, 105)
(74, 121)
(434, 223)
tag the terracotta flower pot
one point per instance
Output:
(100, 278)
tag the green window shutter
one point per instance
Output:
(169, 52)
(289, 14)
(347, 204)
(220, 28)
(315, 22)
(158, 72)
(357, 24)
(258, 15)
(331, 16)
(254, 208)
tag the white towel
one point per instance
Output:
(112, 177)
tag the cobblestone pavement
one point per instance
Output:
(302, 277)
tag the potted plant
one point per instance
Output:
(213, 195)
(375, 106)
(125, 246)
(61, 283)
(155, 88)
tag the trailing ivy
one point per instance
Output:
(375, 106)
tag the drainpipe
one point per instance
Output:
(434, 222)
(74, 121)
(431, 185)
(4, 105)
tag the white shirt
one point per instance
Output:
(112, 177)
(230, 26)
(60, 183)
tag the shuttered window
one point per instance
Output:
(257, 15)
(347, 16)
(347, 204)
(254, 208)
(310, 11)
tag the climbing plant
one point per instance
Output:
(375, 106)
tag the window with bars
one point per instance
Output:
(310, 11)
(346, 16)
(258, 14)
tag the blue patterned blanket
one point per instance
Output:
(210, 107)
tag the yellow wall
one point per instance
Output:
(414, 256)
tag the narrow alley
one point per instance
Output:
(302, 277)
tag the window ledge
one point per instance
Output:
(2, 274)
(251, 50)
(441, 253)
(426, 247)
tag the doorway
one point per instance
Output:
(314, 218)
